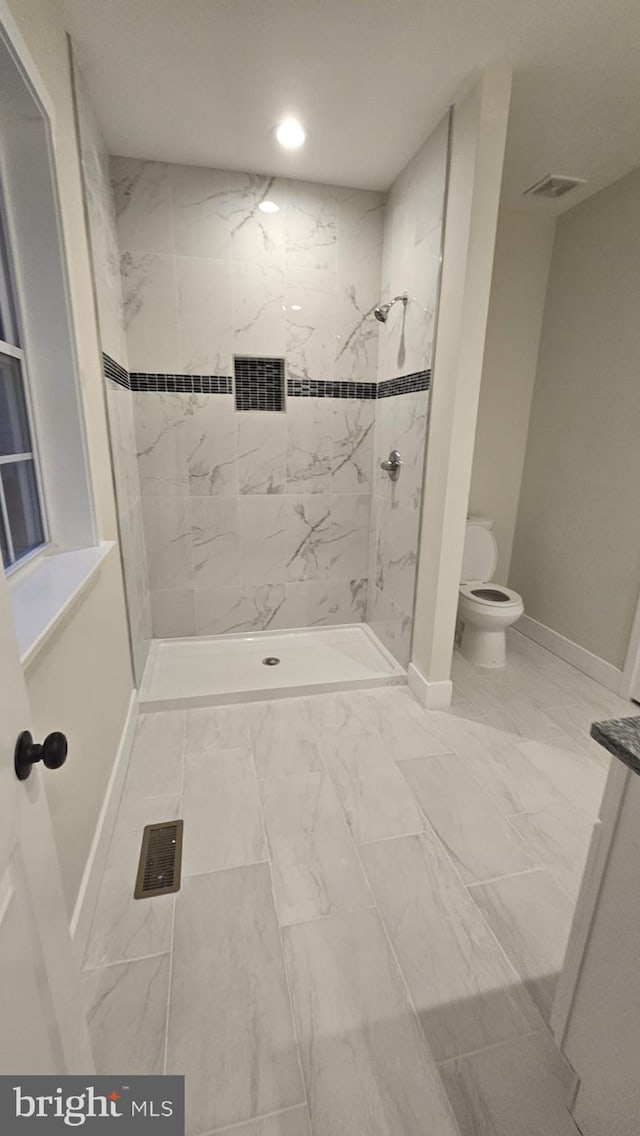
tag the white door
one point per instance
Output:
(42, 1024)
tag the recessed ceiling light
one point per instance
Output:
(290, 134)
(268, 207)
(296, 307)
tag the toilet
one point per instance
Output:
(484, 609)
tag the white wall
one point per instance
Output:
(576, 552)
(82, 681)
(476, 159)
(524, 244)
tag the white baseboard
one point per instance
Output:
(583, 660)
(88, 893)
(432, 695)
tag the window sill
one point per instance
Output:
(45, 593)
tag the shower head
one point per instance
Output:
(381, 311)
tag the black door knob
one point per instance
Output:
(53, 752)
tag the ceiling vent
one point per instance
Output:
(554, 186)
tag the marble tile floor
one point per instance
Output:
(374, 908)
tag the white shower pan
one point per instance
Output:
(214, 669)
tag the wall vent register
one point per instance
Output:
(160, 860)
(259, 383)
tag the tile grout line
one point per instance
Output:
(329, 915)
(254, 1120)
(514, 812)
(224, 868)
(563, 889)
(292, 1017)
(525, 872)
(405, 984)
(92, 969)
(145, 797)
(323, 772)
(519, 982)
(505, 816)
(509, 820)
(561, 794)
(507, 876)
(572, 697)
(511, 965)
(124, 961)
(343, 814)
(474, 697)
(386, 839)
(432, 828)
(495, 1045)
(175, 905)
(467, 690)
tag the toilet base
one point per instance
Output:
(482, 647)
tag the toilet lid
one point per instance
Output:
(480, 555)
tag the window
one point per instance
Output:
(39, 371)
(22, 528)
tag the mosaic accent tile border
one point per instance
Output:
(314, 388)
(262, 390)
(181, 384)
(114, 371)
(405, 384)
(259, 383)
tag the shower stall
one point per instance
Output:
(262, 366)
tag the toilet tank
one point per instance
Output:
(480, 551)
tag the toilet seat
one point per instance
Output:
(485, 609)
(473, 591)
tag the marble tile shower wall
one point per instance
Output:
(252, 520)
(410, 263)
(106, 270)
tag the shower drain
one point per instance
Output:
(270, 661)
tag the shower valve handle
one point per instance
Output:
(392, 465)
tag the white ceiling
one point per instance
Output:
(204, 81)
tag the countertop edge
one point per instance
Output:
(621, 737)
